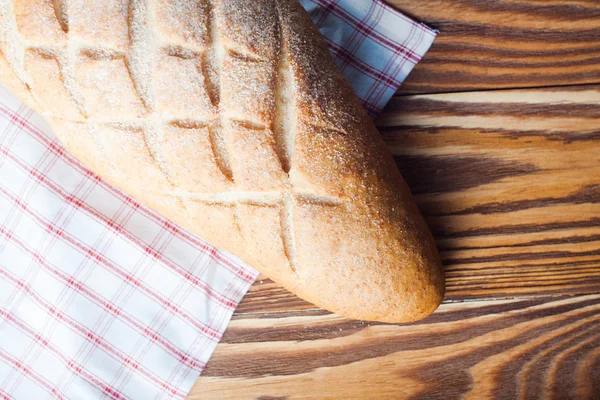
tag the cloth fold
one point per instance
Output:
(100, 297)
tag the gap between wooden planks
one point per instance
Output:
(509, 182)
(506, 349)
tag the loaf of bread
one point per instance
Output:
(229, 118)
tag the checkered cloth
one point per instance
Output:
(373, 45)
(101, 297)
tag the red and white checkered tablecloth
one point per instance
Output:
(373, 45)
(101, 297)
(98, 294)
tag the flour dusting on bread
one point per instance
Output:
(230, 118)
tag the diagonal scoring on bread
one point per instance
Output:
(228, 117)
(214, 64)
(284, 120)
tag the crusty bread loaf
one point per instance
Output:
(230, 118)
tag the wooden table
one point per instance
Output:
(497, 131)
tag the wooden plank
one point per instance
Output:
(508, 349)
(509, 182)
(506, 44)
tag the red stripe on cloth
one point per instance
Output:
(4, 395)
(79, 203)
(360, 25)
(91, 253)
(76, 285)
(74, 367)
(380, 76)
(95, 339)
(56, 148)
(27, 371)
(355, 40)
(76, 327)
(397, 66)
(372, 110)
(83, 289)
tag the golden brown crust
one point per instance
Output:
(230, 118)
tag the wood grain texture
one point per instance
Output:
(509, 183)
(507, 349)
(506, 44)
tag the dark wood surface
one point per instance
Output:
(509, 182)
(545, 347)
(495, 44)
